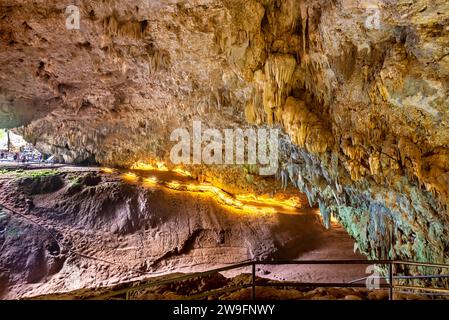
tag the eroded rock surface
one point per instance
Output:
(94, 230)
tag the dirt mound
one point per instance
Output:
(28, 255)
(40, 185)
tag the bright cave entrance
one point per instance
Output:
(15, 151)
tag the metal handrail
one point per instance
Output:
(283, 262)
(254, 283)
(438, 290)
(428, 276)
(421, 264)
(177, 279)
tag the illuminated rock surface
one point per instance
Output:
(69, 231)
(365, 106)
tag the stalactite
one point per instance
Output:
(325, 214)
(279, 69)
(300, 182)
(130, 28)
(319, 77)
(408, 150)
(254, 112)
(284, 178)
(305, 128)
(158, 60)
(308, 194)
(374, 163)
(292, 173)
(304, 24)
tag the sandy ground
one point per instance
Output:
(334, 244)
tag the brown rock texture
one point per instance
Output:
(359, 87)
(64, 231)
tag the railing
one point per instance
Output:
(390, 285)
(422, 264)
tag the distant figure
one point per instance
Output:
(2, 155)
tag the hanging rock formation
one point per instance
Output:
(359, 87)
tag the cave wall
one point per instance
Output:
(364, 106)
(367, 112)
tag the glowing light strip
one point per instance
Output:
(157, 166)
(290, 204)
(236, 202)
(107, 170)
(152, 181)
(220, 195)
(182, 172)
(129, 176)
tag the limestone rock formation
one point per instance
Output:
(73, 230)
(360, 88)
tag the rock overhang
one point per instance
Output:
(365, 106)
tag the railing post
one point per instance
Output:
(390, 276)
(253, 280)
